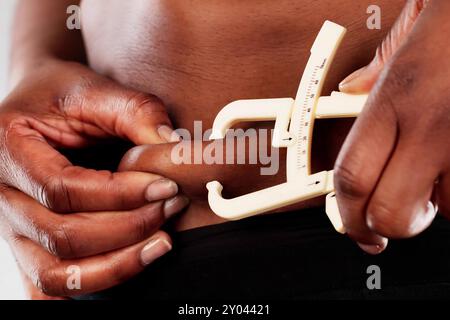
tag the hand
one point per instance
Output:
(396, 158)
(114, 217)
(67, 105)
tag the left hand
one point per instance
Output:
(54, 214)
(396, 159)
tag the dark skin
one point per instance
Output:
(261, 53)
(387, 195)
(57, 102)
(196, 73)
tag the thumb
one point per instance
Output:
(362, 80)
(122, 112)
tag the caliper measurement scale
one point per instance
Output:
(294, 123)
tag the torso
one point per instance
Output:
(197, 56)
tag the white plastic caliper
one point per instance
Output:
(294, 121)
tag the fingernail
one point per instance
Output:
(174, 205)
(347, 82)
(432, 208)
(168, 134)
(422, 220)
(373, 249)
(154, 249)
(161, 189)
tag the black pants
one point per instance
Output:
(288, 256)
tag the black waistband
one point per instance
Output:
(292, 255)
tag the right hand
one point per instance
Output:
(394, 193)
(111, 233)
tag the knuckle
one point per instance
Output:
(50, 281)
(144, 104)
(47, 193)
(117, 273)
(74, 97)
(147, 223)
(349, 183)
(379, 217)
(69, 101)
(387, 220)
(12, 125)
(400, 77)
(143, 100)
(54, 194)
(59, 242)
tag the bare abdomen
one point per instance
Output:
(197, 56)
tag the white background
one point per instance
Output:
(10, 284)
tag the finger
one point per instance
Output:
(85, 234)
(400, 206)
(362, 80)
(359, 167)
(32, 292)
(120, 111)
(68, 278)
(43, 173)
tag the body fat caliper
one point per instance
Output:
(294, 121)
